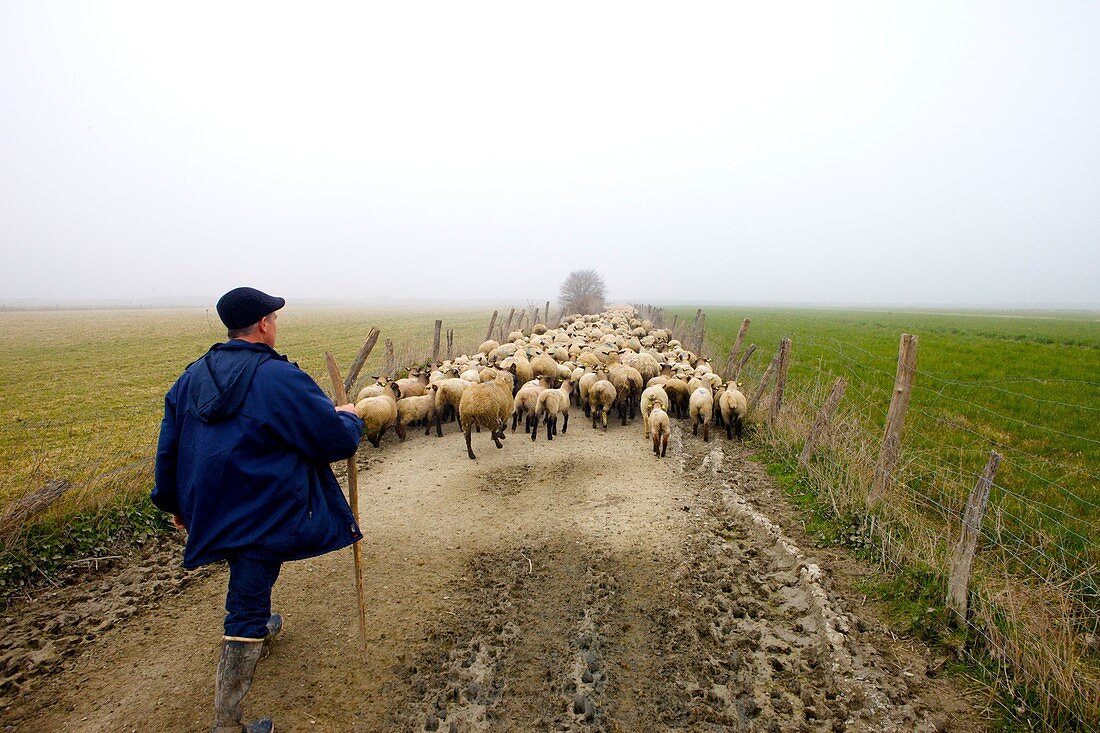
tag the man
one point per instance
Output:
(243, 466)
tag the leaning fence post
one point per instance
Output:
(744, 360)
(508, 323)
(963, 558)
(763, 383)
(450, 343)
(390, 365)
(492, 322)
(822, 420)
(361, 358)
(895, 418)
(780, 378)
(435, 341)
(735, 349)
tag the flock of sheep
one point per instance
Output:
(599, 363)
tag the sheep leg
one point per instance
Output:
(515, 420)
(590, 411)
(694, 427)
(496, 439)
(469, 450)
(603, 415)
(427, 426)
(737, 422)
(439, 424)
(729, 429)
(534, 432)
(565, 424)
(656, 443)
(706, 431)
(664, 444)
(645, 424)
(623, 411)
(549, 427)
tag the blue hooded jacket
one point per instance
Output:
(243, 457)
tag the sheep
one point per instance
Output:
(488, 405)
(522, 368)
(378, 414)
(448, 394)
(415, 385)
(551, 403)
(701, 409)
(733, 407)
(544, 365)
(628, 386)
(411, 409)
(659, 426)
(652, 397)
(526, 400)
(601, 396)
(678, 396)
(487, 346)
(373, 390)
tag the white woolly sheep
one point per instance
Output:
(411, 409)
(733, 407)
(552, 403)
(378, 414)
(601, 397)
(701, 409)
(652, 397)
(659, 426)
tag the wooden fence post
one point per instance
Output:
(546, 315)
(732, 360)
(361, 358)
(561, 315)
(744, 360)
(822, 420)
(450, 343)
(492, 322)
(390, 365)
(780, 378)
(435, 341)
(895, 418)
(522, 320)
(508, 323)
(763, 382)
(700, 333)
(675, 324)
(963, 558)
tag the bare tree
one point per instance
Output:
(582, 292)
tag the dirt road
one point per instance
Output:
(573, 585)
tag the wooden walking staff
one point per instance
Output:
(353, 495)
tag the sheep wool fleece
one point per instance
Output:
(243, 457)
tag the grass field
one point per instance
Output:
(82, 391)
(1024, 385)
(81, 398)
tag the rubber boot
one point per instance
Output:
(235, 670)
(274, 626)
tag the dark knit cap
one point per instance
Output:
(241, 307)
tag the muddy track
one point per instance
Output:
(574, 585)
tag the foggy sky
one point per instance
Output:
(875, 153)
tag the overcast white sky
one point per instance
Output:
(875, 153)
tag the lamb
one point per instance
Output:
(488, 405)
(551, 403)
(733, 407)
(659, 426)
(378, 414)
(701, 409)
(652, 397)
(411, 409)
(526, 400)
(487, 346)
(601, 396)
(374, 390)
(544, 366)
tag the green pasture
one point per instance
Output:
(1024, 384)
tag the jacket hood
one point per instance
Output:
(220, 379)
